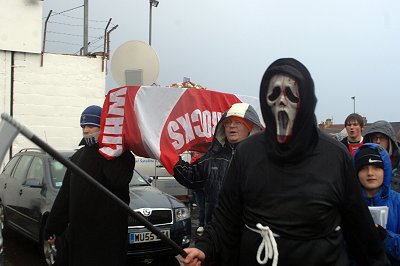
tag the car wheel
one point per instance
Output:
(2, 219)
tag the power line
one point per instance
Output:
(73, 25)
(78, 18)
(91, 44)
(69, 43)
(92, 20)
(96, 48)
(68, 34)
(72, 31)
(59, 13)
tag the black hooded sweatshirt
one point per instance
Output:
(306, 191)
(95, 226)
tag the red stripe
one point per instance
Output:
(193, 99)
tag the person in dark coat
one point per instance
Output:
(291, 196)
(92, 227)
(208, 172)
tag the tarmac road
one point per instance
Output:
(19, 251)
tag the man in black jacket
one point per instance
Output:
(290, 195)
(94, 227)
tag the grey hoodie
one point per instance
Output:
(384, 127)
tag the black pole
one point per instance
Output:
(150, 17)
(12, 74)
(74, 168)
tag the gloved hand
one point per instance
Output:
(381, 231)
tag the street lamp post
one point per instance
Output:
(155, 4)
(85, 27)
(354, 103)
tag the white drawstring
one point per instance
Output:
(268, 245)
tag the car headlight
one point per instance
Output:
(182, 213)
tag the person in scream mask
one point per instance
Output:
(89, 228)
(207, 173)
(290, 196)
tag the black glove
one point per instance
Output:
(381, 231)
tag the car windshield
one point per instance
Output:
(138, 180)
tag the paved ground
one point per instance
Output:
(19, 251)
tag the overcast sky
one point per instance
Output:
(351, 47)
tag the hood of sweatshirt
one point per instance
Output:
(305, 133)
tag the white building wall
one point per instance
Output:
(48, 100)
(5, 62)
(21, 25)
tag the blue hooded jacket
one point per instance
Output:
(386, 197)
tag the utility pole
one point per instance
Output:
(85, 27)
(155, 4)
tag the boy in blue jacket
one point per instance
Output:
(373, 167)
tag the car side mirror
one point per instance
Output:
(31, 182)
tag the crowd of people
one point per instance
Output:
(291, 195)
(283, 194)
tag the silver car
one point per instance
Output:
(29, 185)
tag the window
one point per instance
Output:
(57, 172)
(36, 171)
(137, 180)
(22, 167)
(10, 165)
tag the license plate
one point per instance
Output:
(146, 236)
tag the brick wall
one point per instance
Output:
(49, 100)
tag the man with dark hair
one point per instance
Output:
(93, 227)
(354, 124)
(290, 194)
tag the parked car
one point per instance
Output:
(161, 179)
(29, 185)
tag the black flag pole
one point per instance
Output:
(77, 170)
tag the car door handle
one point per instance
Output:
(20, 192)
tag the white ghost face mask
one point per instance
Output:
(283, 98)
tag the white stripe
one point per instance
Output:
(153, 106)
(238, 110)
(113, 125)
